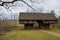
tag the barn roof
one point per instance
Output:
(36, 16)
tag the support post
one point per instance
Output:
(39, 26)
(50, 26)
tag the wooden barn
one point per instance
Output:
(37, 20)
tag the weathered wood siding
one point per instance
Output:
(25, 22)
(51, 22)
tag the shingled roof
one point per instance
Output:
(36, 16)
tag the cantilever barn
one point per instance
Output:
(37, 20)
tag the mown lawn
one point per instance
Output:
(27, 35)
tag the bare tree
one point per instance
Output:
(15, 1)
(7, 6)
(35, 1)
(12, 2)
(37, 9)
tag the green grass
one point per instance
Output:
(55, 30)
(27, 35)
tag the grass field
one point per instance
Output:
(55, 30)
(18, 34)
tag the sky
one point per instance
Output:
(13, 12)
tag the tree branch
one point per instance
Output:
(18, 0)
(28, 5)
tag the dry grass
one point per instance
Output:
(18, 34)
(54, 30)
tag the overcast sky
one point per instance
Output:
(19, 6)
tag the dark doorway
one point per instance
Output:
(29, 26)
(40, 23)
(43, 25)
(47, 25)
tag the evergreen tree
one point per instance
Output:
(53, 12)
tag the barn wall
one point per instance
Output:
(26, 21)
(50, 21)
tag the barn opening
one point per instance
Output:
(28, 26)
(40, 23)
